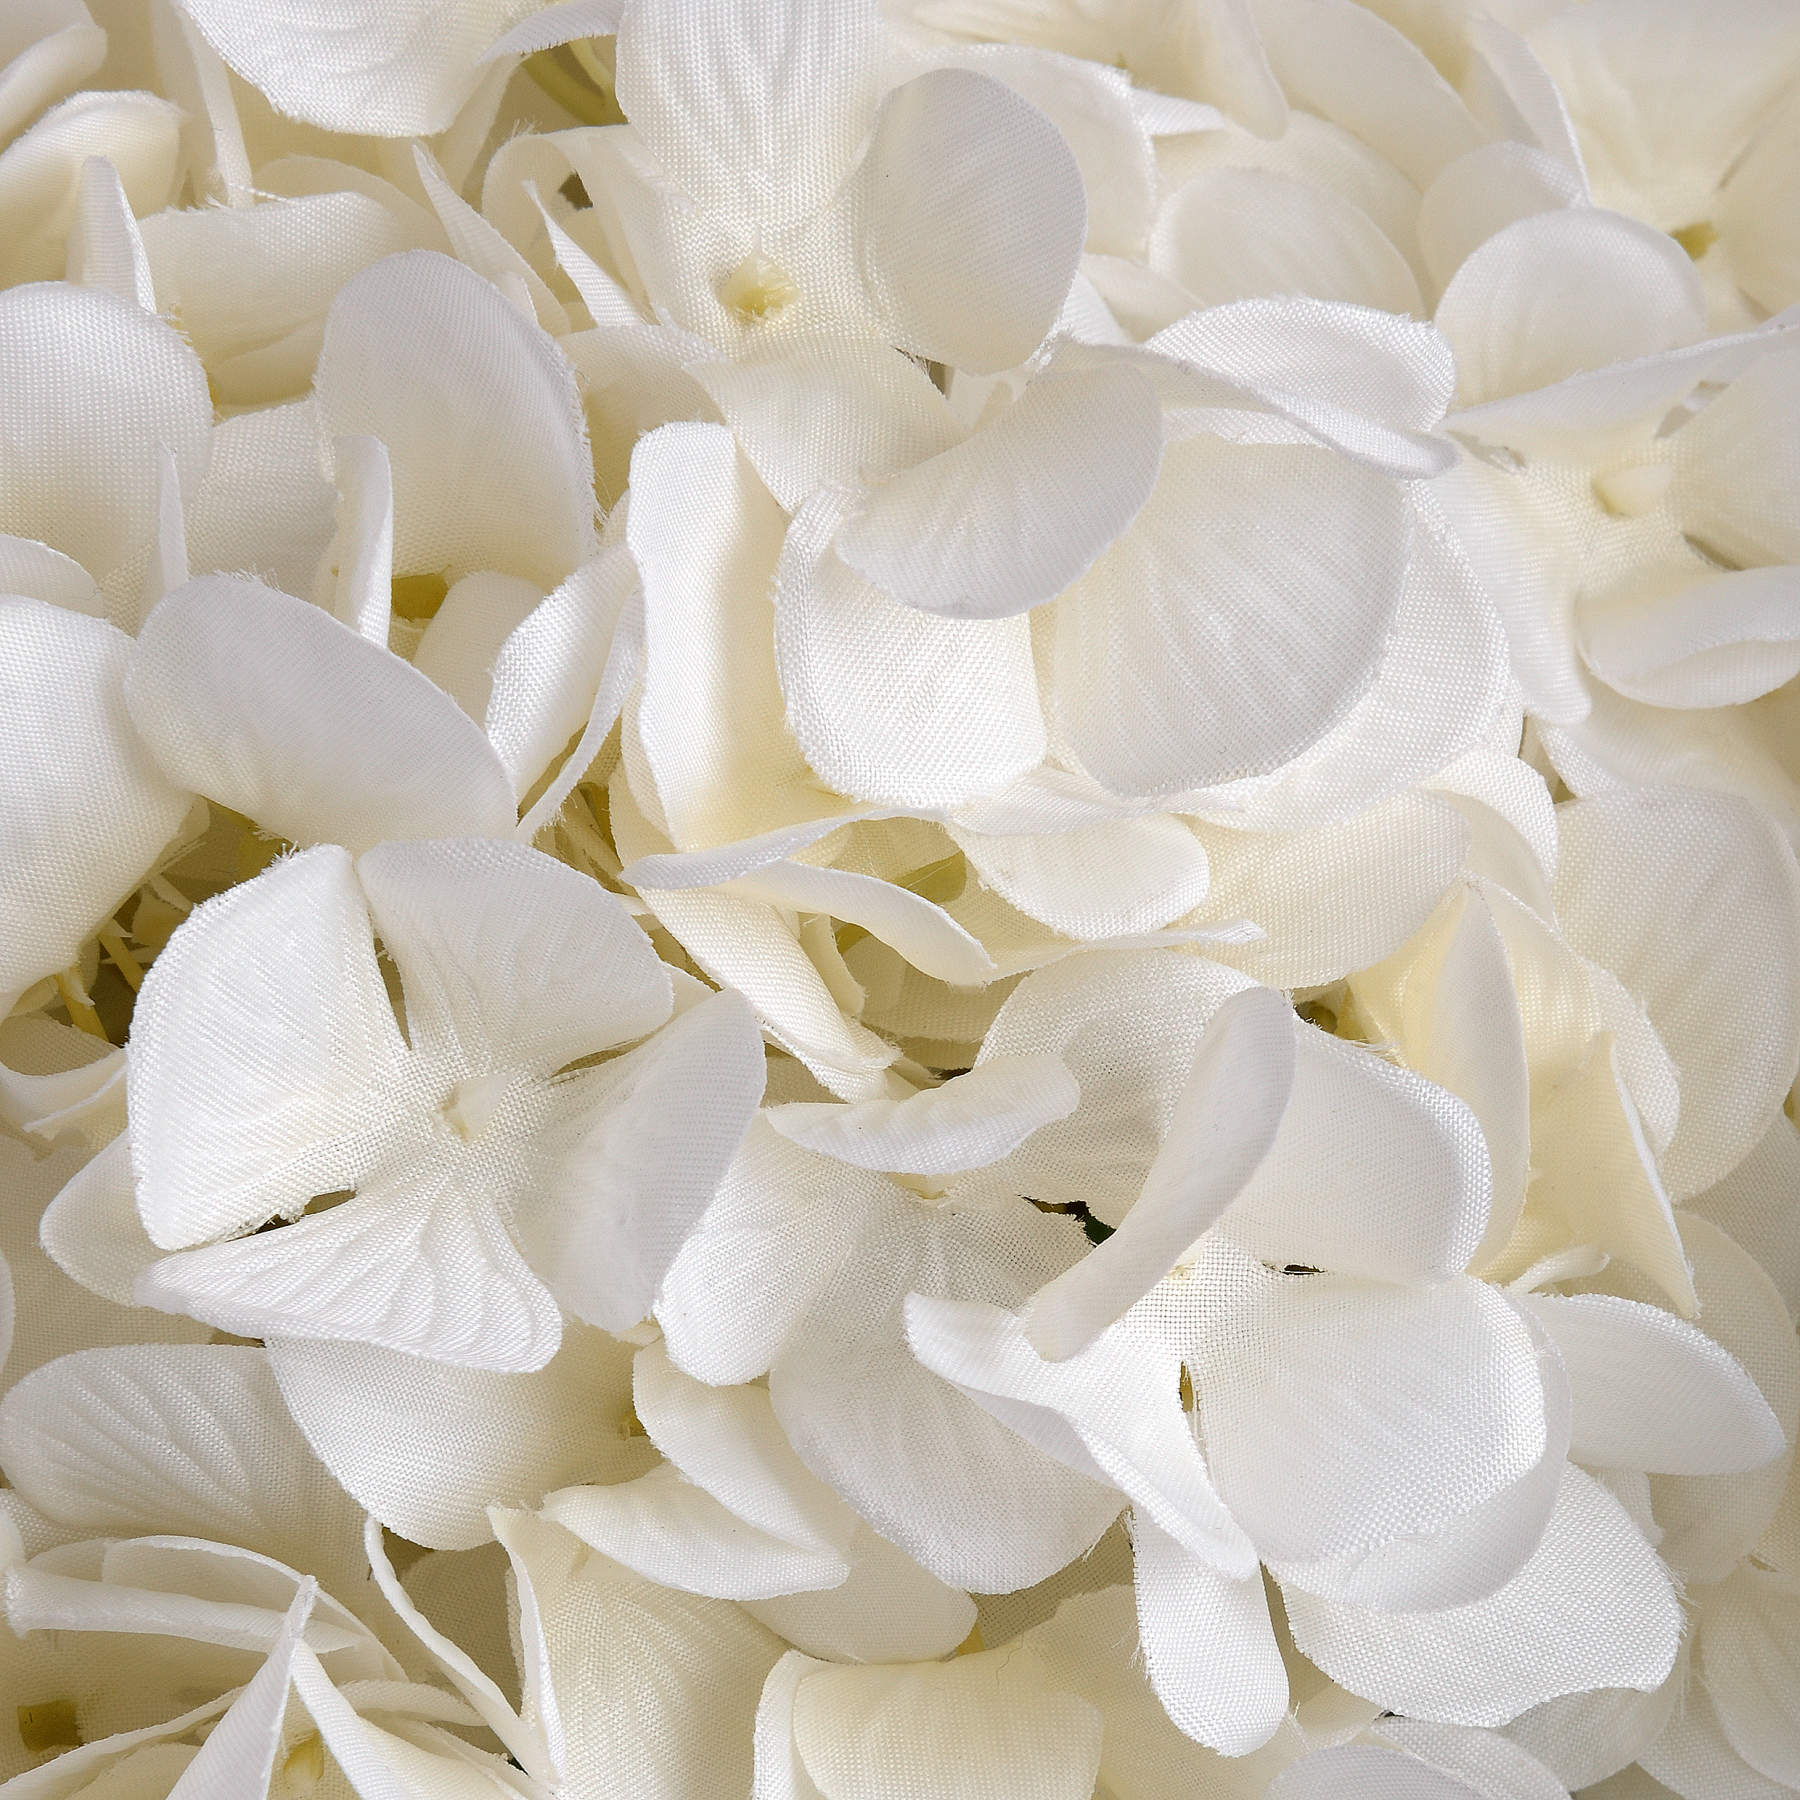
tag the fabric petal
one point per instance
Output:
(610, 1220)
(1562, 292)
(1208, 1645)
(1299, 557)
(949, 710)
(426, 1447)
(1748, 1660)
(1653, 1392)
(510, 956)
(250, 1094)
(1713, 959)
(1226, 1118)
(479, 413)
(972, 1120)
(974, 222)
(1010, 517)
(1593, 1607)
(272, 707)
(85, 808)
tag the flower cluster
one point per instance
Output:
(898, 902)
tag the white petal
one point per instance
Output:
(85, 808)
(1404, 1162)
(47, 51)
(106, 250)
(1719, 641)
(273, 708)
(780, 1222)
(975, 220)
(1241, 234)
(1010, 517)
(1226, 1119)
(176, 1438)
(426, 1447)
(411, 1263)
(971, 1121)
(610, 1219)
(675, 1533)
(947, 712)
(1709, 1522)
(393, 71)
(758, 110)
(480, 415)
(1484, 191)
(362, 547)
(832, 414)
(92, 1231)
(1339, 1415)
(1117, 878)
(505, 950)
(678, 1672)
(1587, 1738)
(1695, 1759)
(1562, 292)
(463, 637)
(1652, 1392)
(1208, 1645)
(1749, 1204)
(1592, 1608)
(1211, 641)
(1111, 1409)
(705, 534)
(888, 1609)
(980, 1507)
(98, 388)
(1748, 1653)
(251, 1094)
(1693, 901)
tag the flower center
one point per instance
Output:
(758, 287)
(472, 1103)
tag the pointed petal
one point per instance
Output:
(272, 707)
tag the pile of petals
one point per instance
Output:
(898, 899)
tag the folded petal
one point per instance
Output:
(1594, 1607)
(506, 952)
(251, 1095)
(653, 1142)
(973, 1120)
(1209, 1647)
(272, 707)
(427, 1447)
(974, 223)
(1404, 1162)
(1111, 1410)
(479, 413)
(1226, 1119)
(1011, 516)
